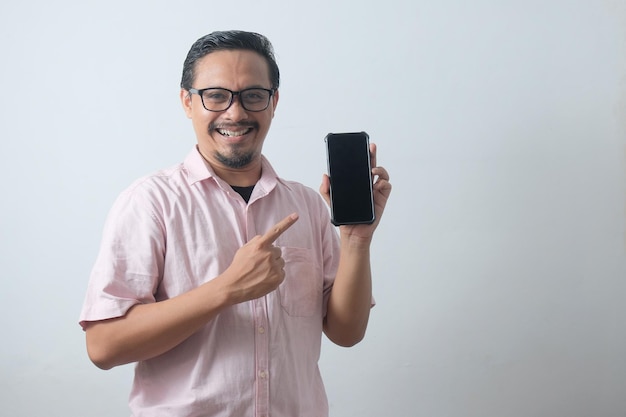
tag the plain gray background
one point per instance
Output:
(500, 265)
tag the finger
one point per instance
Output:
(325, 188)
(279, 228)
(276, 252)
(372, 154)
(381, 173)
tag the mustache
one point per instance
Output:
(233, 126)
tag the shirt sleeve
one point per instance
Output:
(130, 262)
(330, 239)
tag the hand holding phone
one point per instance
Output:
(350, 173)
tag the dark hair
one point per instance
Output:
(229, 40)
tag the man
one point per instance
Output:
(217, 276)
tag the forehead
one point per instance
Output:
(233, 69)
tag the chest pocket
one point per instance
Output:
(301, 291)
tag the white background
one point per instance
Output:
(500, 264)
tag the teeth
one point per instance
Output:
(233, 132)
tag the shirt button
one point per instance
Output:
(261, 329)
(262, 374)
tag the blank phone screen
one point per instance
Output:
(350, 178)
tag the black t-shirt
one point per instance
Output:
(245, 192)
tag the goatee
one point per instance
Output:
(236, 160)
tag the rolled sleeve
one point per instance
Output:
(130, 262)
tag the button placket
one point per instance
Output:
(262, 357)
(261, 338)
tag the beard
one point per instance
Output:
(237, 158)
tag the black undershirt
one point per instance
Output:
(244, 192)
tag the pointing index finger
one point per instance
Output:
(279, 228)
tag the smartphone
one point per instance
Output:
(351, 198)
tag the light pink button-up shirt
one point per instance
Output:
(172, 231)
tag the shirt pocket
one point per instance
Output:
(301, 290)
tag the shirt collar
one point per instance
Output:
(199, 170)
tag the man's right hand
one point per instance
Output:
(257, 268)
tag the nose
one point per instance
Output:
(236, 111)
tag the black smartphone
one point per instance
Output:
(351, 198)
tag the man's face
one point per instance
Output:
(232, 138)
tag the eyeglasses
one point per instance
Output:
(220, 99)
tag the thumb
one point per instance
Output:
(325, 188)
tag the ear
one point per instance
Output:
(185, 99)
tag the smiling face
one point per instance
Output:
(231, 140)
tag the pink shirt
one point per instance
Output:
(174, 230)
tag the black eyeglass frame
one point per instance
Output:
(233, 94)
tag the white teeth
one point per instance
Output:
(233, 132)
